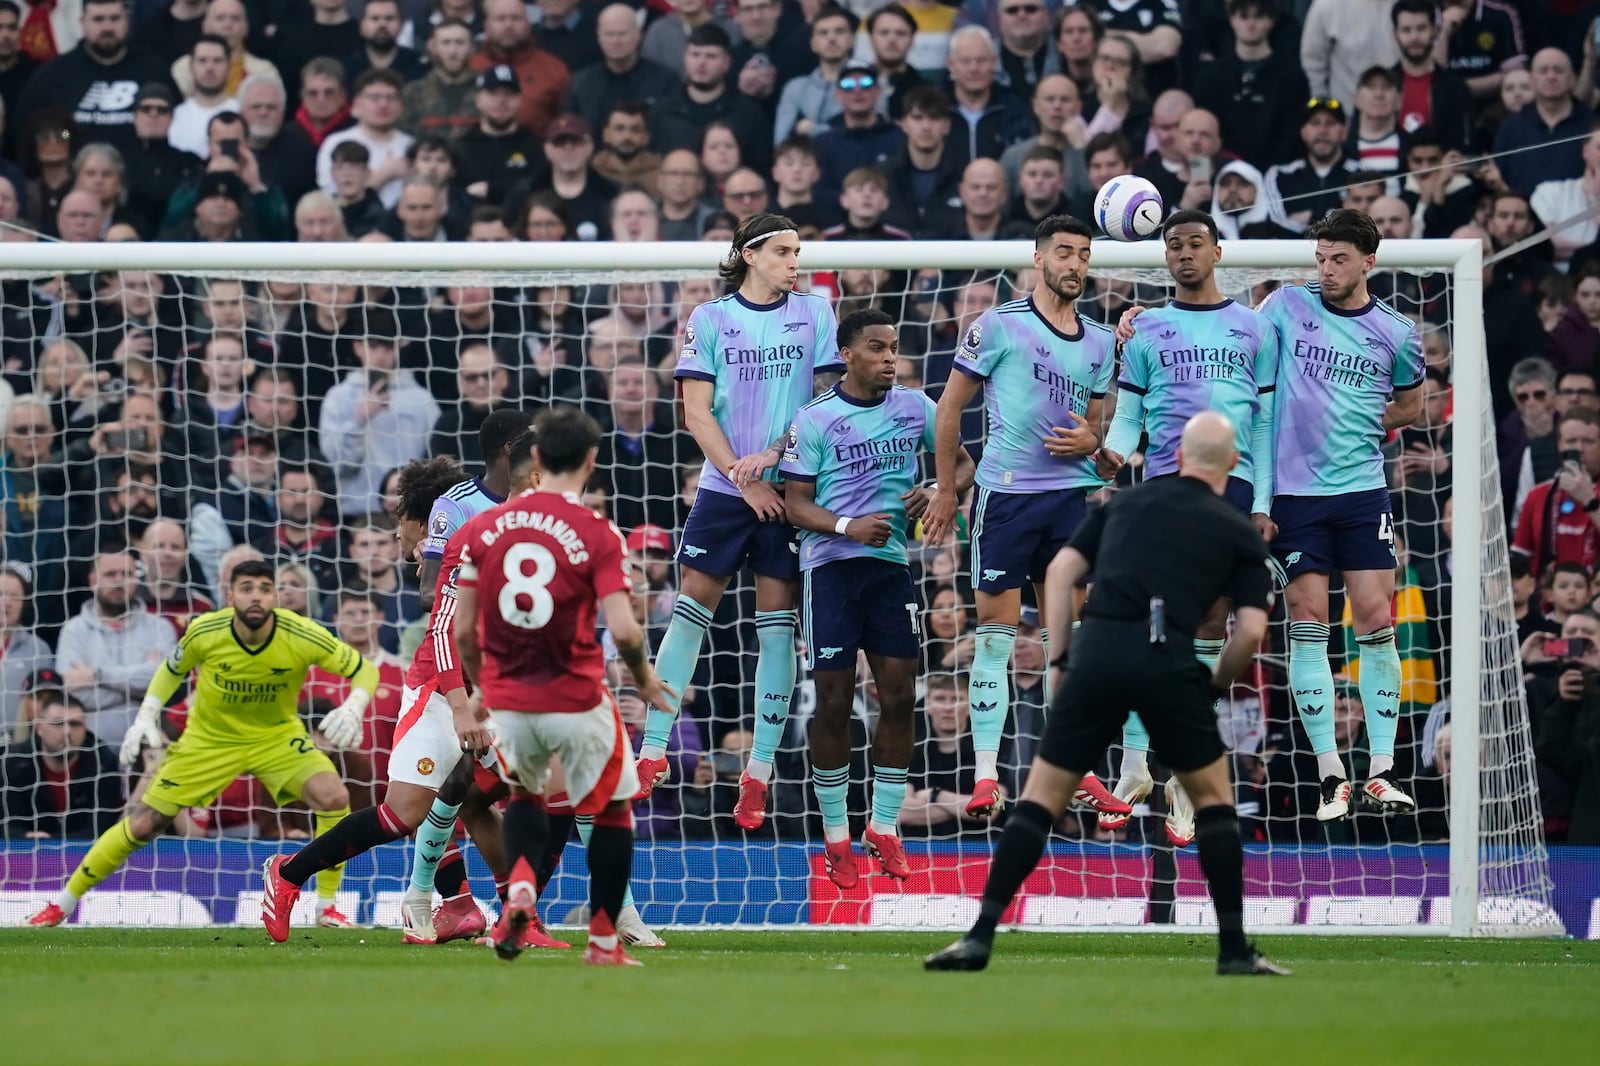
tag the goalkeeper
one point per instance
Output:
(252, 660)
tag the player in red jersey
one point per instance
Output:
(438, 769)
(532, 571)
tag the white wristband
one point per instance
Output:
(840, 526)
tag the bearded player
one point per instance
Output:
(1044, 371)
(251, 660)
(531, 575)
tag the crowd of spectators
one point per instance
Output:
(158, 428)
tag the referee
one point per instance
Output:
(1162, 554)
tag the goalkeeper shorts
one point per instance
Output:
(196, 770)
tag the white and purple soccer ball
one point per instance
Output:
(1129, 208)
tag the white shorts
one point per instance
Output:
(426, 748)
(593, 748)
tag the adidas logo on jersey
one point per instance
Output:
(772, 719)
(1308, 709)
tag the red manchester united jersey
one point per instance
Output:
(540, 563)
(436, 655)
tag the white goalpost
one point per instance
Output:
(562, 318)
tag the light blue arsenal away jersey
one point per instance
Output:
(862, 456)
(451, 511)
(1032, 376)
(760, 360)
(1335, 376)
(1187, 358)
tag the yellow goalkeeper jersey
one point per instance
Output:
(243, 692)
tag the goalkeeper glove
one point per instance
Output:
(145, 730)
(342, 725)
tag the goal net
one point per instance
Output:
(171, 409)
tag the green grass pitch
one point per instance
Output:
(171, 997)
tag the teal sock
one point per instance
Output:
(433, 837)
(888, 796)
(832, 788)
(775, 674)
(989, 695)
(1380, 694)
(1135, 737)
(675, 663)
(1311, 682)
(585, 827)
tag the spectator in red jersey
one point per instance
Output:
(63, 782)
(357, 622)
(167, 587)
(1558, 520)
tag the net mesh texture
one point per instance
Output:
(195, 420)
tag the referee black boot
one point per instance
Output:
(1253, 964)
(968, 953)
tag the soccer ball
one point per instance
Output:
(1129, 208)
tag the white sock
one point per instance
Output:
(1381, 764)
(1330, 765)
(67, 902)
(652, 751)
(832, 834)
(759, 769)
(881, 829)
(604, 943)
(1135, 763)
(988, 766)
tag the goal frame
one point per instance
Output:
(1463, 259)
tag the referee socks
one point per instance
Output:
(1222, 861)
(1016, 856)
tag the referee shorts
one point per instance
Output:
(1114, 669)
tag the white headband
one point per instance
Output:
(753, 241)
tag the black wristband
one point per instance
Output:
(1218, 693)
(1060, 661)
(933, 795)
